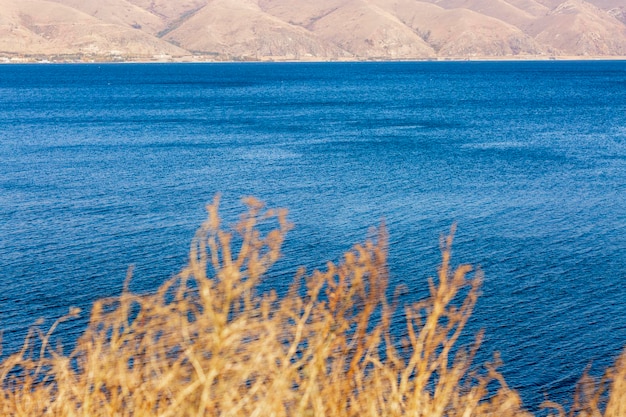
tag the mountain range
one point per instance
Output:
(218, 30)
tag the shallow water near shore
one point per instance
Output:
(104, 166)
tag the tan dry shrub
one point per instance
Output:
(599, 398)
(207, 343)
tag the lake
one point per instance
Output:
(104, 166)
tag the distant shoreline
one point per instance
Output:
(198, 60)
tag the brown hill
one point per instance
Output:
(241, 29)
(119, 12)
(320, 30)
(578, 28)
(39, 27)
(461, 32)
(362, 28)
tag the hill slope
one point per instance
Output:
(321, 30)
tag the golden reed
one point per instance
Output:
(208, 343)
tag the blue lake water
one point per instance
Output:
(104, 166)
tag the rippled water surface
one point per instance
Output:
(104, 166)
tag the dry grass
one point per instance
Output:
(208, 343)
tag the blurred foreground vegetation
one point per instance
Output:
(208, 343)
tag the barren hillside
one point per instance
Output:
(304, 30)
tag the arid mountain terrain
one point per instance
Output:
(310, 30)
